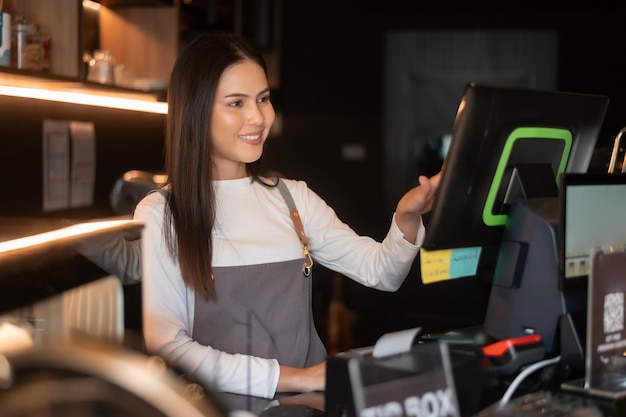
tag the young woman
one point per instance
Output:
(226, 272)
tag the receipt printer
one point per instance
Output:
(394, 378)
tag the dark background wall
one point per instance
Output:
(125, 140)
(331, 94)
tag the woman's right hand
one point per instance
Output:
(308, 379)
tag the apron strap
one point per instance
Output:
(297, 221)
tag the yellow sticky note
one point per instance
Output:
(446, 264)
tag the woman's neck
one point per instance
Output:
(231, 172)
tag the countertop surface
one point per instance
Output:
(18, 227)
(40, 257)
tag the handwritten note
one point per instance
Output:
(440, 265)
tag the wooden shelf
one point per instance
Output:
(61, 20)
(144, 35)
(134, 3)
(145, 38)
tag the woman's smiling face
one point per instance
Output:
(241, 119)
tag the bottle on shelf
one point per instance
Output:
(26, 45)
(5, 37)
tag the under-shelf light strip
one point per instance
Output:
(65, 232)
(85, 99)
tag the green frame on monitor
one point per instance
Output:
(491, 219)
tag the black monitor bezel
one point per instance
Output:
(488, 114)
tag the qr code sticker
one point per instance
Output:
(613, 312)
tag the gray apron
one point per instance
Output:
(261, 310)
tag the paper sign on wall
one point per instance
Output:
(83, 163)
(56, 165)
(69, 164)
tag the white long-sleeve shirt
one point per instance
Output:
(252, 227)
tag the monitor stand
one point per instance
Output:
(525, 295)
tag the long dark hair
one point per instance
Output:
(190, 212)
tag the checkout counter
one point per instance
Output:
(68, 349)
(63, 338)
(64, 349)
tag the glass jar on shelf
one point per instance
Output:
(27, 47)
(102, 67)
